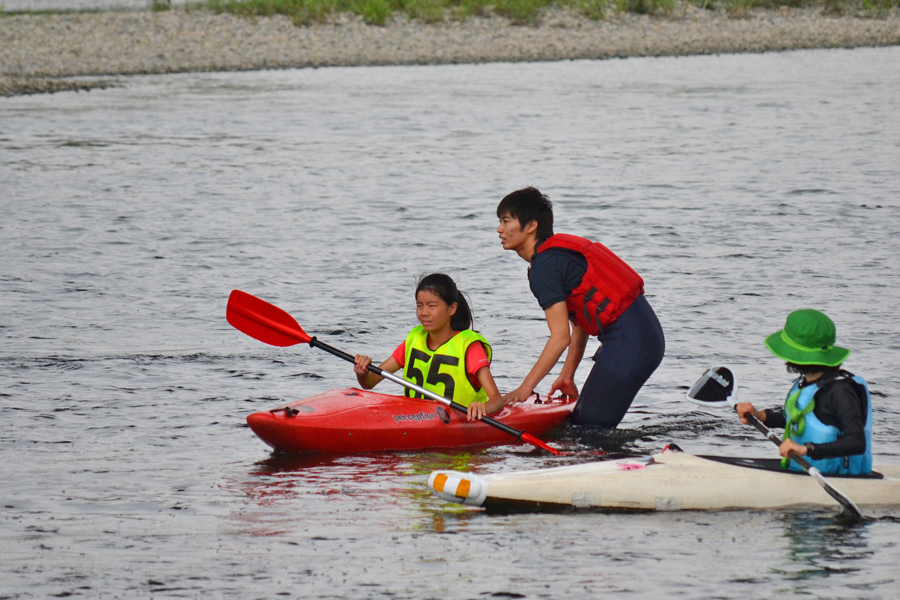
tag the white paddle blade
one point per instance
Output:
(716, 388)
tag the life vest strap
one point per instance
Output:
(595, 320)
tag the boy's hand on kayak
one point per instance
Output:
(476, 411)
(517, 395)
(361, 364)
(788, 446)
(565, 386)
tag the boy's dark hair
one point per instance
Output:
(529, 205)
(444, 287)
(810, 369)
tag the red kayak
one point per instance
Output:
(352, 420)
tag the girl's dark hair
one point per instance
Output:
(528, 205)
(445, 288)
(810, 369)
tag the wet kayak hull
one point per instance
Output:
(353, 420)
(667, 481)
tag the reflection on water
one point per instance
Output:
(822, 545)
(390, 480)
(740, 187)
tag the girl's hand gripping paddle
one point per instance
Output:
(717, 388)
(271, 325)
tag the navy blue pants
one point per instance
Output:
(632, 347)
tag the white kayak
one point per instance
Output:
(668, 481)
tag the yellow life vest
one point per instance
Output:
(442, 371)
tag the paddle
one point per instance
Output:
(268, 323)
(717, 388)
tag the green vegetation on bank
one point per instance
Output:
(377, 12)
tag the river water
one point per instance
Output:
(741, 187)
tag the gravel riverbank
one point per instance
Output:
(41, 53)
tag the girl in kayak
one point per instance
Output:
(443, 354)
(827, 415)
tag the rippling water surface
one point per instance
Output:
(740, 187)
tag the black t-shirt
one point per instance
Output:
(840, 404)
(554, 273)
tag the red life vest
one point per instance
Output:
(608, 287)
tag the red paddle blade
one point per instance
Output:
(526, 437)
(263, 321)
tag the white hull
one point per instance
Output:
(668, 481)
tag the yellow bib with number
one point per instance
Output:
(442, 371)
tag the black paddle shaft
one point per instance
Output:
(848, 504)
(774, 439)
(315, 343)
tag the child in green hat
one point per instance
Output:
(827, 415)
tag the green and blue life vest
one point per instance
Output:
(443, 371)
(803, 426)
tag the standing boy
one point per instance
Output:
(585, 290)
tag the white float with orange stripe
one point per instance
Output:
(462, 488)
(670, 480)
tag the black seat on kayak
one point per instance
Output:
(774, 464)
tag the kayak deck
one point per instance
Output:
(666, 481)
(352, 420)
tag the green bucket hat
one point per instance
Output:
(807, 339)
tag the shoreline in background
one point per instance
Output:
(41, 53)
